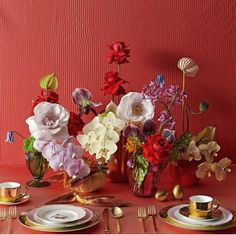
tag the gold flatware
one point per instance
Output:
(152, 213)
(106, 219)
(3, 214)
(12, 214)
(117, 213)
(142, 215)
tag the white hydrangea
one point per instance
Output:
(101, 135)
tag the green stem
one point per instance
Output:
(183, 103)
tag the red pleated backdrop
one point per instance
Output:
(70, 38)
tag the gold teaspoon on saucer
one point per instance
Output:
(117, 213)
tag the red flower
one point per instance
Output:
(49, 96)
(112, 84)
(157, 149)
(119, 53)
(75, 124)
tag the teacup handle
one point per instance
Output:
(215, 204)
(22, 194)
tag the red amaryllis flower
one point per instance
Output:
(112, 84)
(75, 124)
(157, 149)
(119, 53)
(49, 96)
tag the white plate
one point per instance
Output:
(59, 214)
(31, 217)
(174, 214)
(22, 200)
(23, 219)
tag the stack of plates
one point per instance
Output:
(179, 217)
(59, 218)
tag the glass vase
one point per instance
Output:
(38, 166)
(117, 164)
(150, 184)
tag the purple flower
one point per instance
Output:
(132, 131)
(66, 157)
(148, 128)
(173, 95)
(83, 99)
(166, 120)
(154, 88)
(10, 137)
(169, 135)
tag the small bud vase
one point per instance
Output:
(150, 184)
(38, 167)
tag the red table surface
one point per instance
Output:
(223, 191)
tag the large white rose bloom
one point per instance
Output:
(135, 107)
(49, 122)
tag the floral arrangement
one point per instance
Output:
(150, 137)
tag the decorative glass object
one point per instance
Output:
(150, 184)
(38, 166)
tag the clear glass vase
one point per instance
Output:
(38, 166)
(150, 184)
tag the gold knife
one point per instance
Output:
(106, 219)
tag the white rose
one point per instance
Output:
(49, 122)
(135, 107)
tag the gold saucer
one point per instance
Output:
(23, 199)
(163, 213)
(216, 214)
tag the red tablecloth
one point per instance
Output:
(223, 191)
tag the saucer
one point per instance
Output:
(22, 200)
(216, 214)
(170, 215)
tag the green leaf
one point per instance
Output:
(180, 145)
(28, 145)
(49, 82)
(140, 168)
(206, 135)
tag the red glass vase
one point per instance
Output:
(117, 164)
(150, 184)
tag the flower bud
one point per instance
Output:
(203, 106)
(49, 82)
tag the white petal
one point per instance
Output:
(83, 140)
(110, 146)
(119, 124)
(42, 135)
(87, 128)
(111, 107)
(32, 124)
(96, 146)
(113, 136)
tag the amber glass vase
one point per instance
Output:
(37, 166)
(150, 184)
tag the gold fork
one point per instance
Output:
(152, 212)
(142, 215)
(12, 214)
(3, 214)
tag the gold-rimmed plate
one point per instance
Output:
(23, 219)
(164, 215)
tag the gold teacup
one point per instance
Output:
(201, 206)
(11, 191)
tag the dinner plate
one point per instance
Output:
(22, 200)
(216, 214)
(23, 219)
(175, 214)
(175, 222)
(32, 218)
(59, 213)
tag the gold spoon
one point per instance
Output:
(117, 213)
